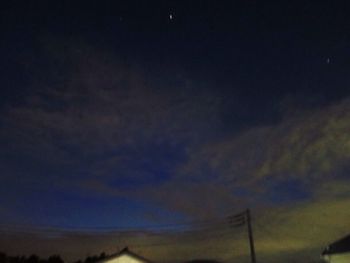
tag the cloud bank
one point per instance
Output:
(102, 126)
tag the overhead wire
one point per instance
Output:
(189, 225)
(207, 232)
(191, 232)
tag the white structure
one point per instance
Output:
(125, 256)
(338, 252)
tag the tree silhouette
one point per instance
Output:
(33, 259)
(55, 259)
(102, 256)
(52, 259)
(93, 259)
(203, 261)
(3, 258)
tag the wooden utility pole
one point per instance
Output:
(250, 235)
(239, 220)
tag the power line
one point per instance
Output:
(214, 232)
(194, 230)
(179, 238)
(198, 239)
(200, 224)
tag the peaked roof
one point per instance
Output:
(340, 246)
(126, 251)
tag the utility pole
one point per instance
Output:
(250, 235)
(239, 220)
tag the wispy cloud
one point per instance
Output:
(98, 113)
(309, 147)
(106, 128)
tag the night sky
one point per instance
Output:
(125, 114)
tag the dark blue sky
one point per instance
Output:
(113, 114)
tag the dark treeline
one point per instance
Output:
(52, 259)
(92, 259)
(31, 259)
